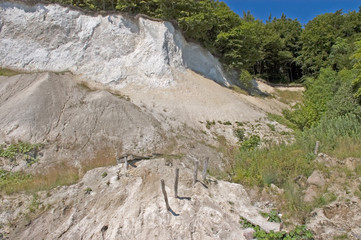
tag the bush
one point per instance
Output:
(239, 133)
(339, 136)
(245, 79)
(251, 143)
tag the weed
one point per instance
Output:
(299, 233)
(341, 237)
(57, 175)
(271, 127)
(35, 203)
(88, 190)
(239, 90)
(104, 174)
(8, 72)
(228, 123)
(210, 123)
(27, 149)
(239, 124)
(281, 120)
(239, 133)
(288, 97)
(251, 143)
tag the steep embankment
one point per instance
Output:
(112, 49)
(75, 100)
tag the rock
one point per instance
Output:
(310, 193)
(326, 160)
(351, 163)
(276, 189)
(130, 50)
(249, 233)
(317, 179)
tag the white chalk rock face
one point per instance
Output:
(112, 49)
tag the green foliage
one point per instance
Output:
(19, 148)
(209, 124)
(240, 48)
(281, 120)
(316, 97)
(239, 133)
(88, 190)
(104, 174)
(7, 72)
(356, 84)
(274, 217)
(251, 143)
(299, 233)
(271, 127)
(9, 180)
(35, 203)
(332, 133)
(228, 123)
(27, 151)
(271, 165)
(245, 79)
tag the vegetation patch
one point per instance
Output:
(299, 233)
(58, 175)
(282, 120)
(288, 96)
(8, 72)
(26, 151)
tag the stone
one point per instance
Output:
(310, 193)
(248, 233)
(317, 179)
(326, 160)
(130, 50)
(276, 189)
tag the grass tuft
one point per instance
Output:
(62, 174)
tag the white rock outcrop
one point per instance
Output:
(113, 49)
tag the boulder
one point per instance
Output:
(249, 233)
(317, 179)
(310, 193)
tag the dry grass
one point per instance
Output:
(239, 90)
(61, 174)
(287, 96)
(8, 72)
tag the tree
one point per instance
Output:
(240, 48)
(318, 38)
(356, 83)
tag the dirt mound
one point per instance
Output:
(133, 207)
(55, 109)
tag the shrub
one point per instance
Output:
(251, 143)
(245, 79)
(239, 133)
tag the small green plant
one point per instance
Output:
(210, 123)
(239, 124)
(299, 233)
(245, 79)
(228, 123)
(341, 237)
(88, 190)
(271, 127)
(35, 203)
(273, 216)
(282, 120)
(8, 73)
(251, 143)
(104, 174)
(239, 133)
(21, 148)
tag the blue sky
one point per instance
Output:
(303, 10)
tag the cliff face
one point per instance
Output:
(111, 49)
